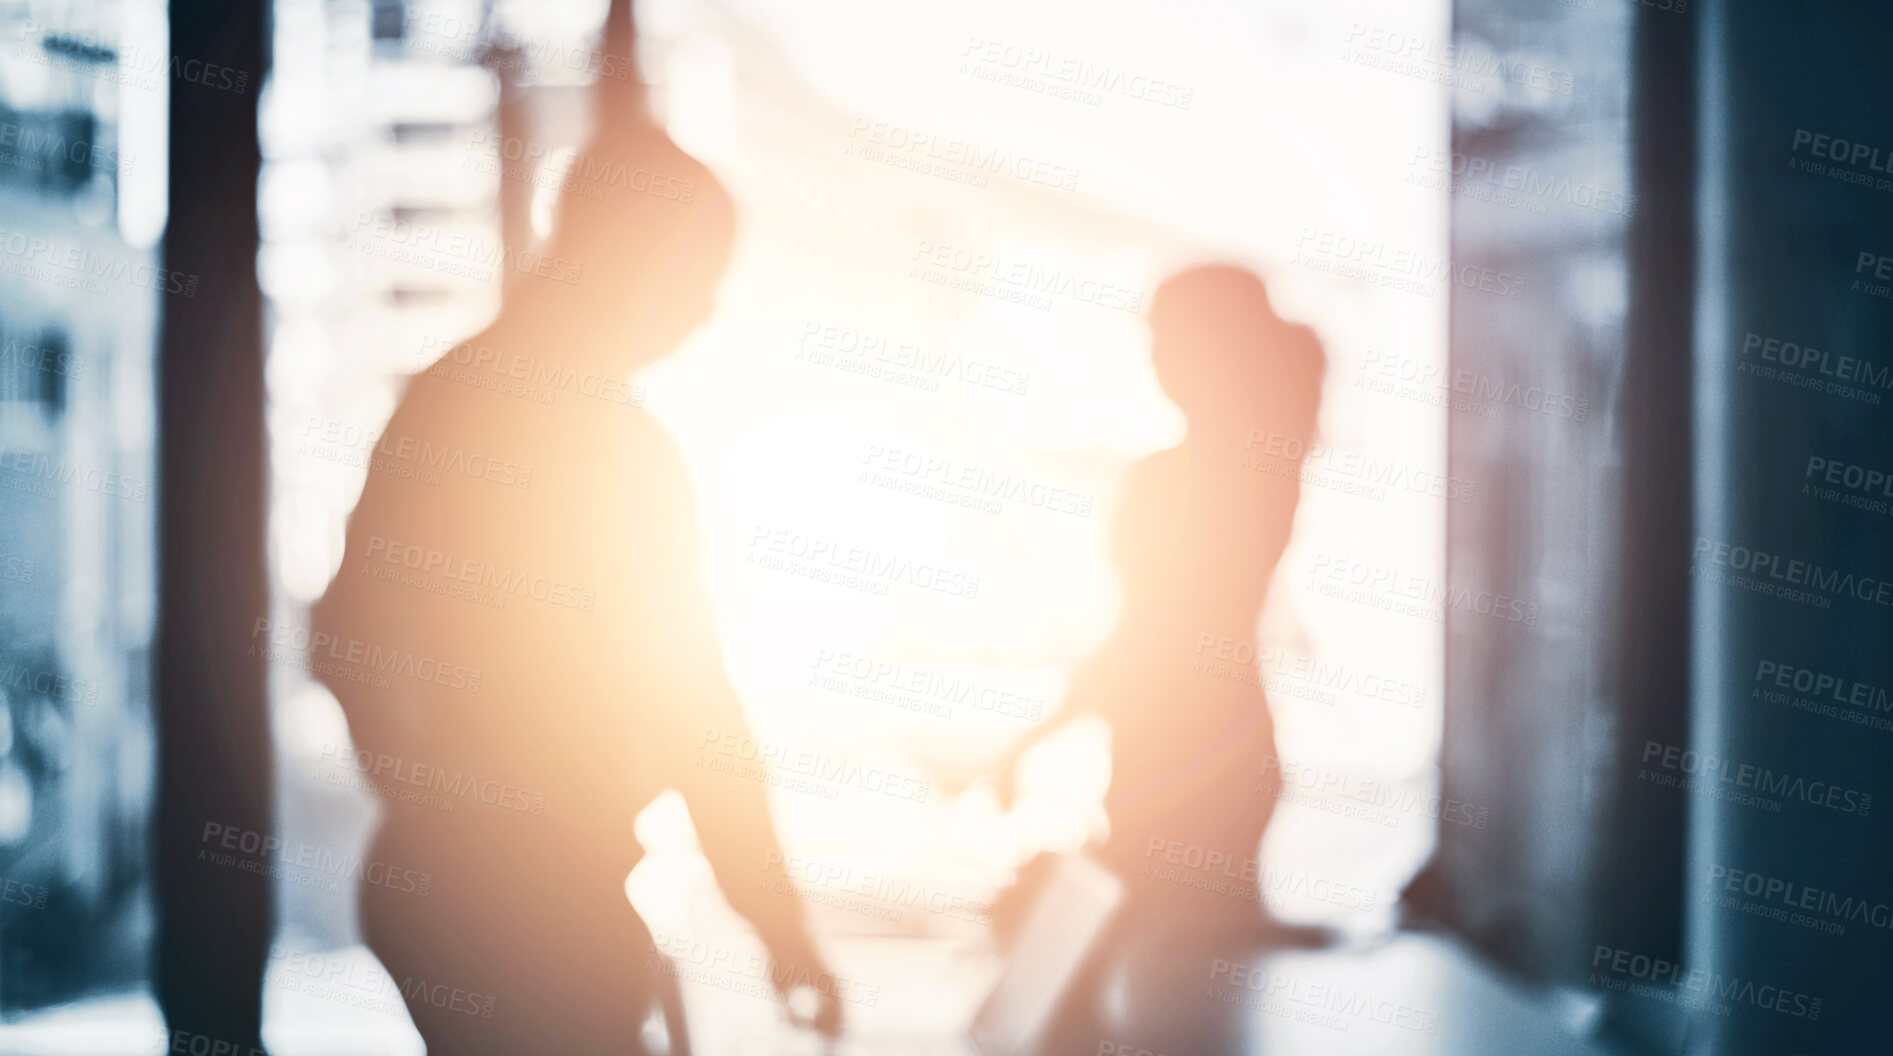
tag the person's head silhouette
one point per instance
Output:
(1227, 360)
(645, 246)
(645, 229)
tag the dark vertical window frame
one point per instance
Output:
(214, 924)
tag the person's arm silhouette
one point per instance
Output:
(1102, 693)
(730, 811)
(733, 824)
(688, 721)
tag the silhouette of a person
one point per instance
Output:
(520, 617)
(1196, 539)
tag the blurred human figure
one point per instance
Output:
(520, 607)
(1199, 530)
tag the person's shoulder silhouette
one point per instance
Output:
(1197, 532)
(525, 450)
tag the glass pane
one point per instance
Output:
(78, 312)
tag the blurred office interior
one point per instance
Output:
(1533, 238)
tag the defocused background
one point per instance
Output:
(82, 155)
(851, 136)
(1468, 651)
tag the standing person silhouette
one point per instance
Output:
(525, 573)
(1196, 540)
